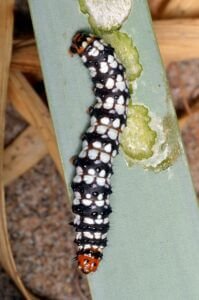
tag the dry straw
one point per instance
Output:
(6, 31)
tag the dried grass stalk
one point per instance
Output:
(6, 31)
(178, 39)
(156, 7)
(23, 153)
(161, 9)
(181, 9)
(24, 97)
(25, 58)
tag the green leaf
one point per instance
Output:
(126, 52)
(83, 6)
(138, 138)
(153, 241)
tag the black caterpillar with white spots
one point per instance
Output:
(100, 144)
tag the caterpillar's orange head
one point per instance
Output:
(79, 41)
(88, 261)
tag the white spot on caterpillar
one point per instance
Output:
(86, 202)
(88, 179)
(98, 105)
(104, 236)
(122, 127)
(97, 144)
(87, 246)
(91, 171)
(93, 71)
(82, 154)
(97, 235)
(99, 85)
(84, 58)
(99, 203)
(99, 221)
(79, 170)
(119, 77)
(110, 59)
(84, 144)
(77, 179)
(108, 181)
(78, 235)
(77, 195)
(88, 38)
(114, 64)
(97, 161)
(88, 196)
(108, 103)
(98, 45)
(93, 52)
(112, 133)
(101, 129)
(110, 83)
(104, 157)
(108, 148)
(77, 219)
(103, 67)
(102, 173)
(84, 44)
(109, 100)
(114, 153)
(92, 154)
(105, 121)
(116, 123)
(88, 234)
(99, 99)
(106, 220)
(93, 120)
(121, 85)
(100, 181)
(100, 197)
(115, 90)
(76, 201)
(119, 109)
(107, 201)
(88, 221)
(104, 136)
(120, 100)
(91, 129)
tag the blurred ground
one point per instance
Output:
(38, 214)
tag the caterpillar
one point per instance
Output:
(100, 144)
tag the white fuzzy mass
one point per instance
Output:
(109, 13)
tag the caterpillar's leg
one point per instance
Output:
(73, 159)
(89, 110)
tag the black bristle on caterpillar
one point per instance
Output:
(100, 144)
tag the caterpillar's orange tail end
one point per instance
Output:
(87, 264)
